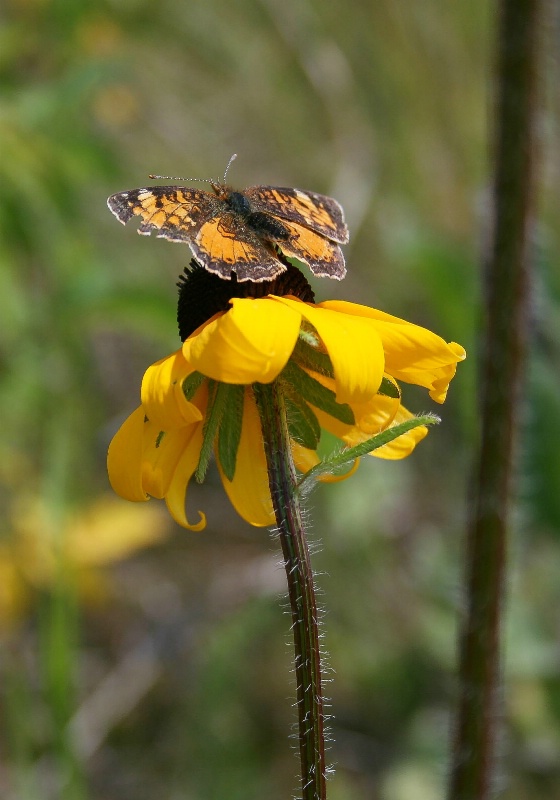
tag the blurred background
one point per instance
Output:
(139, 660)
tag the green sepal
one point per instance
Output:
(309, 335)
(310, 357)
(335, 462)
(214, 413)
(191, 384)
(304, 385)
(222, 425)
(303, 425)
(389, 389)
(229, 434)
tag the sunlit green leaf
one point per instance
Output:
(302, 423)
(229, 433)
(315, 393)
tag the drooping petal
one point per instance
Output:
(404, 444)
(124, 458)
(142, 459)
(176, 494)
(412, 353)
(354, 347)
(370, 417)
(304, 458)
(249, 343)
(162, 393)
(249, 492)
(373, 417)
(376, 415)
(162, 452)
(381, 416)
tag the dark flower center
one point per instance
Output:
(203, 294)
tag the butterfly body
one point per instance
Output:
(237, 232)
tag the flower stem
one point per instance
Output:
(477, 729)
(283, 481)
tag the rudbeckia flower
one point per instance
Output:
(338, 365)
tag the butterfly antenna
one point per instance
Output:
(234, 156)
(175, 178)
(202, 180)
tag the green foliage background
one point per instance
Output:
(166, 674)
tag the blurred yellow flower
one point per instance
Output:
(34, 555)
(338, 364)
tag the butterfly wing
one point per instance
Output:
(323, 257)
(319, 213)
(172, 212)
(224, 245)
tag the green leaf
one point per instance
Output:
(334, 463)
(388, 388)
(308, 356)
(302, 423)
(313, 392)
(309, 335)
(212, 421)
(229, 434)
(191, 384)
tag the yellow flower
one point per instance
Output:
(338, 364)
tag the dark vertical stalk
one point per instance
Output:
(502, 362)
(282, 479)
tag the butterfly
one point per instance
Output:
(239, 233)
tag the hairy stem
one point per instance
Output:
(282, 479)
(502, 361)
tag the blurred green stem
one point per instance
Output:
(59, 621)
(283, 481)
(60, 625)
(477, 729)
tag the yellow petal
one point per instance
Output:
(370, 417)
(250, 343)
(249, 492)
(124, 459)
(403, 445)
(162, 393)
(161, 454)
(376, 421)
(412, 353)
(353, 345)
(304, 458)
(175, 496)
(373, 417)
(376, 415)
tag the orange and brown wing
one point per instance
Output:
(323, 257)
(317, 212)
(224, 243)
(172, 212)
(218, 238)
(224, 246)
